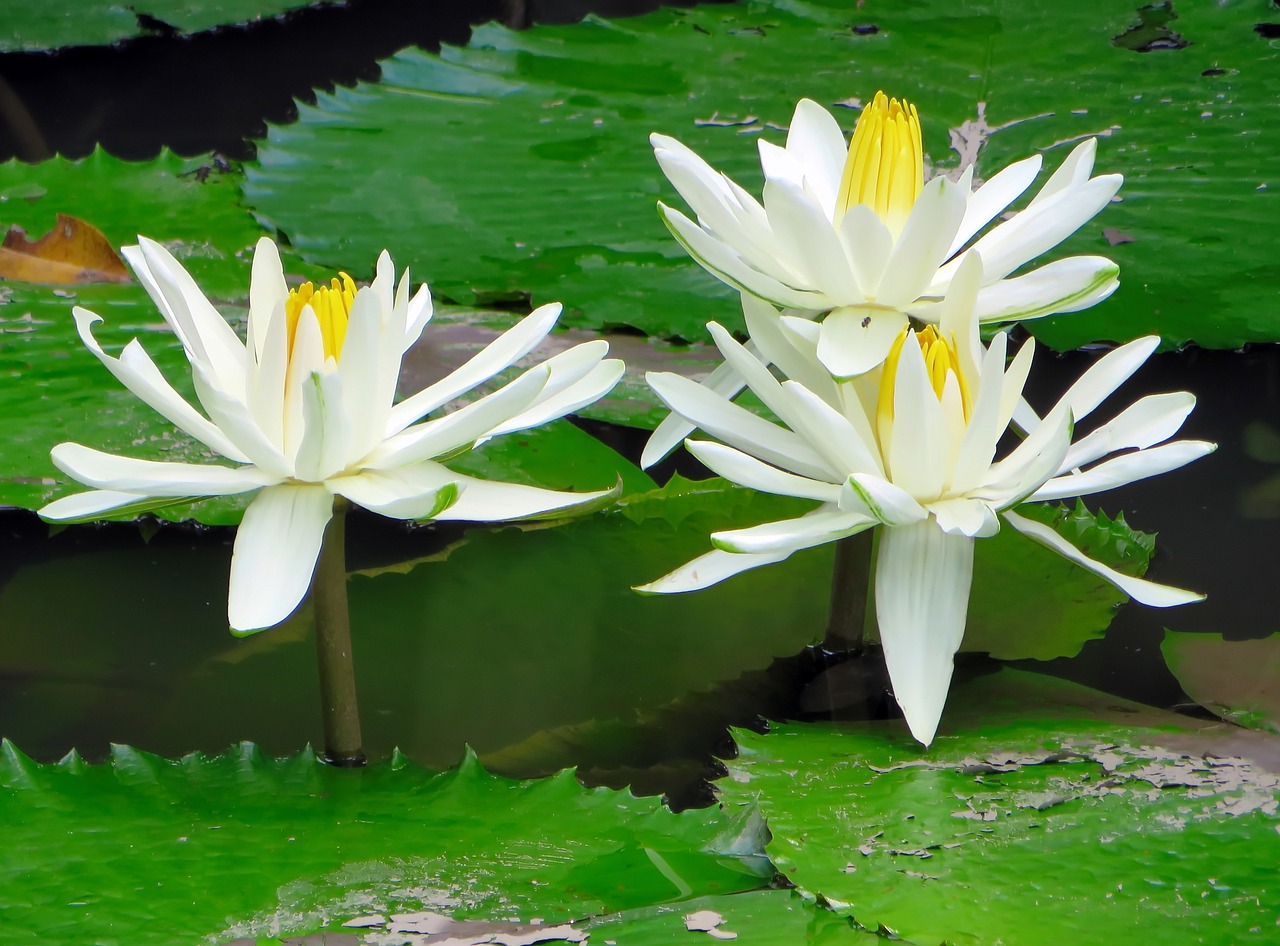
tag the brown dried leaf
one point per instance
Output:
(72, 252)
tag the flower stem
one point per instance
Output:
(850, 584)
(342, 743)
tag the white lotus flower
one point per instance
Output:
(854, 232)
(911, 447)
(305, 409)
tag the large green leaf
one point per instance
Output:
(1043, 813)
(144, 850)
(1238, 680)
(73, 23)
(566, 110)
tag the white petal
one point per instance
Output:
(924, 245)
(598, 382)
(738, 427)
(1124, 469)
(325, 449)
(673, 429)
(107, 471)
(879, 499)
(417, 491)
(235, 420)
(918, 444)
(994, 196)
(1139, 589)
(922, 600)
(1030, 464)
(844, 439)
(1075, 170)
(956, 316)
(275, 554)
(369, 368)
(97, 502)
(868, 245)
(707, 570)
(803, 226)
(723, 262)
(1043, 226)
(823, 525)
(137, 372)
(265, 380)
(419, 314)
(306, 357)
(772, 344)
(854, 340)
(497, 356)
(984, 431)
(961, 516)
(737, 467)
(486, 501)
(816, 140)
(1107, 374)
(445, 435)
(1142, 424)
(267, 291)
(1065, 285)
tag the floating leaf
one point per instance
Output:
(1237, 680)
(1043, 813)
(72, 252)
(571, 108)
(144, 850)
(58, 23)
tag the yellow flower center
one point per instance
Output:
(332, 306)
(940, 360)
(885, 166)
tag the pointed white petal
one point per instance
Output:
(879, 499)
(1124, 469)
(1075, 170)
(416, 491)
(962, 516)
(444, 435)
(723, 262)
(497, 356)
(1065, 285)
(987, 202)
(325, 449)
(1107, 374)
(598, 382)
(486, 501)
(823, 525)
(957, 317)
(154, 478)
(803, 226)
(868, 245)
(98, 502)
(983, 432)
(816, 140)
(420, 311)
(707, 570)
(267, 291)
(737, 467)
(739, 428)
(773, 345)
(845, 439)
(924, 244)
(368, 369)
(1031, 463)
(235, 420)
(922, 600)
(137, 372)
(1139, 589)
(918, 446)
(854, 340)
(265, 379)
(673, 429)
(275, 554)
(1146, 422)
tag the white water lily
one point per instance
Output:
(911, 448)
(306, 410)
(856, 234)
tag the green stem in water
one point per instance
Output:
(850, 594)
(343, 745)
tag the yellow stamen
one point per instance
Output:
(885, 165)
(332, 306)
(940, 359)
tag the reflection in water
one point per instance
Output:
(493, 638)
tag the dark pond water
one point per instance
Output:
(116, 634)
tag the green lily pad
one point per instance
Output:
(144, 850)
(1054, 820)
(1237, 680)
(569, 109)
(68, 23)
